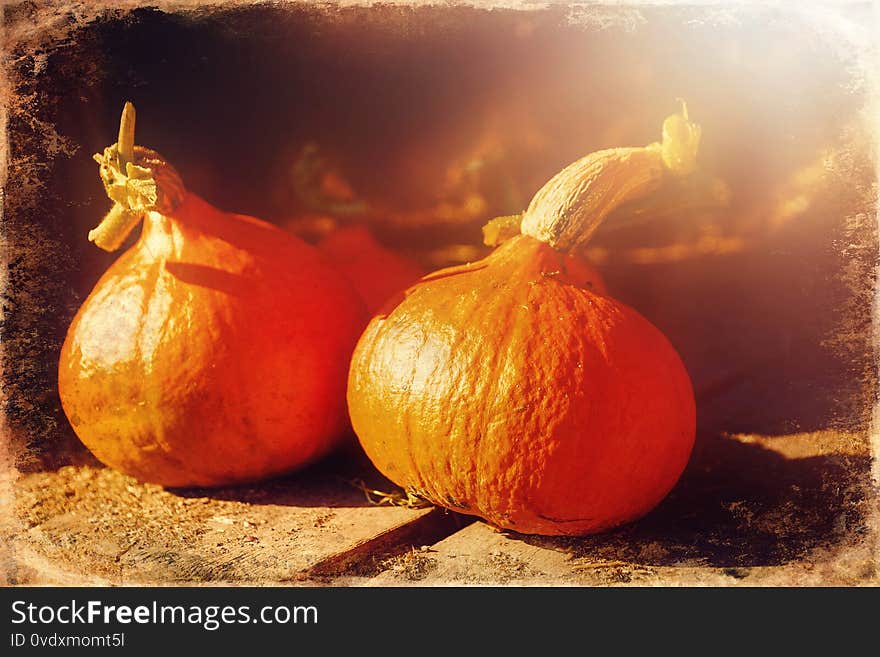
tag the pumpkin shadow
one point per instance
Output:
(214, 278)
(778, 338)
(339, 480)
(739, 505)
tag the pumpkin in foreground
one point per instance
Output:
(508, 389)
(213, 351)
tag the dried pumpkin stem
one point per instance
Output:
(569, 208)
(126, 135)
(115, 227)
(137, 180)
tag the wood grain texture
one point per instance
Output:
(798, 517)
(83, 524)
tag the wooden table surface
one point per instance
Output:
(753, 510)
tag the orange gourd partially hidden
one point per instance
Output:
(213, 351)
(508, 389)
(376, 272)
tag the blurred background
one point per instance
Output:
(424, 123)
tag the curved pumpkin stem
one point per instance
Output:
(137, 180)
(125, 140)
(568, 209)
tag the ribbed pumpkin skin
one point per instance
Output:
(507, 389)
(213, 351)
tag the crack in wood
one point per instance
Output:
(366, 557)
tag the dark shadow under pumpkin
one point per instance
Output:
(738, 505)
(346, 478)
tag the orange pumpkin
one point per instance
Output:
(215, 350)
(376, 272)
(500, 229)
(508, 389)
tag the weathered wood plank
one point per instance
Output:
(754, 510)
(480, 555)
(369, 557)
(90, 523)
